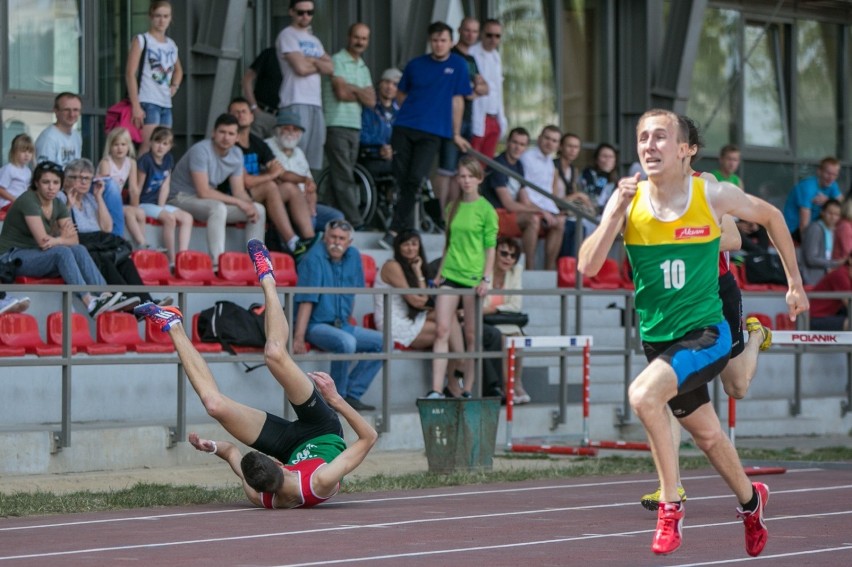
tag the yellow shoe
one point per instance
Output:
(651, 501)
(753, 324)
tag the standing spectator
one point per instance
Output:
(832, 314)
(344, 95)
(119, 164)
(61, 142)
(489, 116)
(375, 150)
(16, 175)
(324, 319)
(598, 180)
(194, 182)
(467, 264)
(262, 179)
(260, 85)
(843, 232)
(568, 188)
(539, 171)
(303, 59)
(729, 162)
(160, 77)
(817, 242)
(431, 96)
(39, 233)
(297, 171)
(445, 186)
(807, 197)
(154, 171)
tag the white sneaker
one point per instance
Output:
(8, 304)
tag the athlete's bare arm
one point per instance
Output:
(229, 453)
(731, 239)
(596, 247)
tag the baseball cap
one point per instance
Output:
(392, 74)
(289, 118)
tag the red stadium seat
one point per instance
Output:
(20, 330)
(117, 328)
(566, 272)
(368, 263)
(285, 269)
(609, 276)
(153, 268)
(197, 268)
(11, 351)
(764, 319)
(153, 334)
(783, 323)
(32, 280)
(201, 346)
(81, 338)
(237, 267)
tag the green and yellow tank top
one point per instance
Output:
(675, 265)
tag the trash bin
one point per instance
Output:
(460, 434)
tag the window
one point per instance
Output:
(816, 89)
(764, 102)
(44, 45)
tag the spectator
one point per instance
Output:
(262, 179)
(807, 197)
(539, 171)
(817, 241)
(153, 184)
(297, 171)
(832, 314)
(344, 95)
(489, 117)
(843, 232)
(260, 84)
(755, 239)
(508, 274)
(375, 150)
(39, 233)
(91, 218)
(303, 59)
(729, 162)
(324, 319)
(598, 180)
(445, 186)
(568, 188)
(196, 177)
(467, 264)
(16, 175)
(119, 164)
(431, 96)
(160, 77)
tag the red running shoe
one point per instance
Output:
(669, 532)
(756, 533)
(260, 256)
(163, 317)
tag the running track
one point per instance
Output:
(584, 521)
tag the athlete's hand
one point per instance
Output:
(203, 445)
(626, 191)
(797, 301)
(326, 387)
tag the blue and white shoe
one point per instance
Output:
(260, 257)
(163, 317)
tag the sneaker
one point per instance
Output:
(102, 303)
(260, 256)
(125, 302)
(466, 395)
(669, 531)
(433, 395)
(386, 241)
(652, 501)
(165, 302)
(753, 324)
(756, 533)
(303, 246)
(14, 304)
(164, 318)
(358, 405)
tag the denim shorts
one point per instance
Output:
(158, 115)
(153, 211)
(448, 153)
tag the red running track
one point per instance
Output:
(585, 521)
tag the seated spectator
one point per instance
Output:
(598, 180)
(755, 239)
(38, 231)
(89, 213)
(119, 164)
(832, 314)
(508, 274)
(807, 197)
(153, 184)
(324, 320)
(375, 151)
(16, 175)
(284, 146)
(729, 162)
(568, 188)
(201, 171)
(843, 231)
(817, 241)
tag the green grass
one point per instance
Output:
(160, 495)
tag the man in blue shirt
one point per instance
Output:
(375, 151)
(806, 199)
(431, 96)
(323, 319)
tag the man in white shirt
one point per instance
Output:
(60, 142)
(489, 117)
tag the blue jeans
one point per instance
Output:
(352, 382)
(73, 263)
(325, 214)
(112, 199)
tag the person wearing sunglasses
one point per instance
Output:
(303, 61)
(39, 234)
(489, 121)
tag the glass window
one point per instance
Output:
(711, 102)
(764, 102)
(44, 45)
(816, 89)
(22, 122)
(770, 181)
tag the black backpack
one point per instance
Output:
(231, 325)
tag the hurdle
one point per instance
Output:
(587, 446)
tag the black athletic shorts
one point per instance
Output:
(732, 310)
(280, 437)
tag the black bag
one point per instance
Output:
(507, 318)
(106, 245)
(765, 269)
(8, 270)
(229, 324)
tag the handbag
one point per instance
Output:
(764, 268)
(120, 114)
(106, 245)
(507, 318)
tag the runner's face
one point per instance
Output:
(658, 146)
